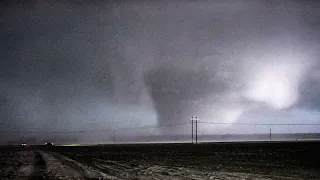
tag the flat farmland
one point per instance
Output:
(245, 160)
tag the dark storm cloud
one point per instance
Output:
(70, 66)
(64, 68)
(49, 69)
(310, 94)
(309, 89)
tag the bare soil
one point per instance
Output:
(261, 160)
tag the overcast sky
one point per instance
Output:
(94, 65)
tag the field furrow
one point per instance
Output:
(223, 161)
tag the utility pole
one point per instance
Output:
(195, 119)
(192, 130)
(196, 132)
(270, 134)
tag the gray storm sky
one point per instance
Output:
(100, 65)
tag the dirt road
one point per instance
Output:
(36, 164)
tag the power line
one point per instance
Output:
(150, 127)
(165, 125)
(101, 130)
(82, 131)
(263, 124)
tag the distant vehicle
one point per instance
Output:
(24, 144)
(49, 144)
